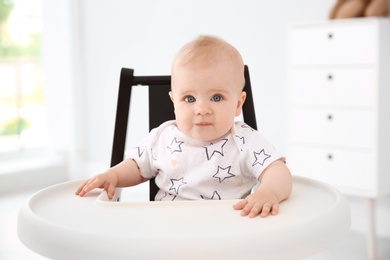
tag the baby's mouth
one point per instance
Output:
(203, 124)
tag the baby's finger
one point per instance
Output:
(265, 210)
(275, 209)
(247, 209)
(81, 187)
(90, 185)
(255, 210)
(240, 205)
(110, 191)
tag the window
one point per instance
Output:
(22, 108)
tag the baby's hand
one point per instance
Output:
(105, 181)
(260, 203)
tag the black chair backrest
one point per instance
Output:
(160, 110)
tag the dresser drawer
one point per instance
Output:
(334, 44)
(342, 128)
(352, 169)
(339, 87)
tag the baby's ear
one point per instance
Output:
(171, 95)
(240, 102)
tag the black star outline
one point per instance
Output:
(153, 155)
(214, 196)
(216, 148)
(247, 127)
(176, 184)
(224, 174)
(241, 141)
(242, 138)
(139, 151)
(175, 146)
(168, 194)
(260, 156)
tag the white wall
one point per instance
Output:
(144, 35)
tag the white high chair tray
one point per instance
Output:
(60, 225)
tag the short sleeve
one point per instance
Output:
(142, 154)
(256, 153)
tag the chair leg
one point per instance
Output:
(371, 229)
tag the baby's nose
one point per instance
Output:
(202, 108)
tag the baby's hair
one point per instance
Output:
(207, 47)
(210, 49)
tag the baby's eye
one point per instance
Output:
(216, 98)
(189, 99)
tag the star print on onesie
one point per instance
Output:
(215, 196)
(260, 157)
(140, 152)
(247, 127)
(175, 146)
(168, 196)
(189, 169)
(223, 173)
(240, 142)
(176, 184)
(215, 148)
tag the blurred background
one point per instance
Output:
(60, 63)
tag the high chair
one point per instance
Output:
(60, 225)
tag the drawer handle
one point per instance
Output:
(330, 77)
(330, 36)
(330, 117)
(330, 156)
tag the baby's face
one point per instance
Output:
(206, 99)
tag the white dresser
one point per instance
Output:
(339, 106)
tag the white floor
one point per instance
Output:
(352, 247)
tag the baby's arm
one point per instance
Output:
(275, 186)
(123, 174)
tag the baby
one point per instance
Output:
(204, 153)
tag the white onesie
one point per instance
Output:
(187, 169)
